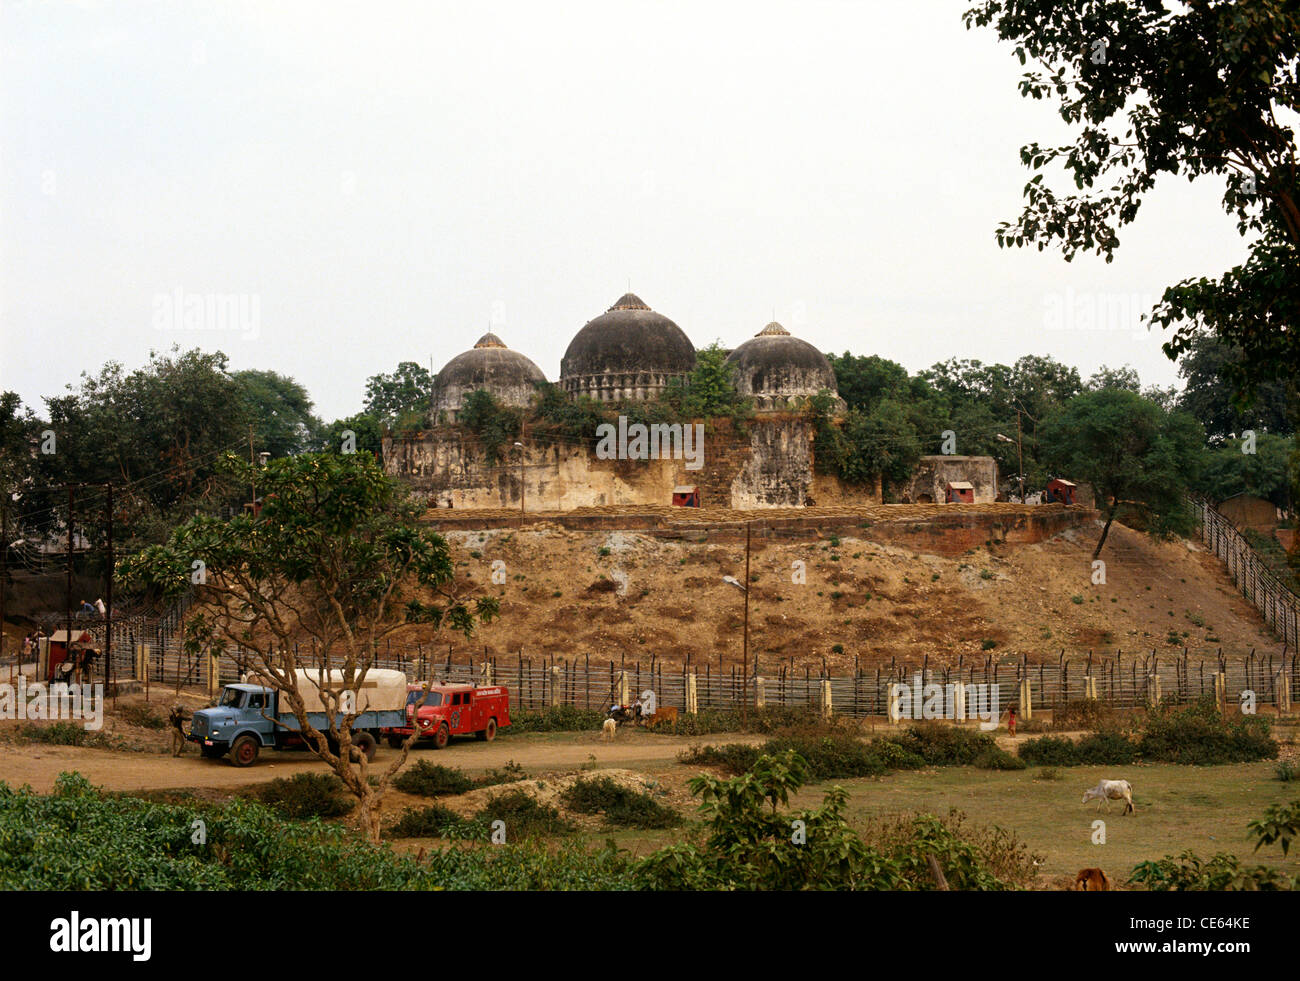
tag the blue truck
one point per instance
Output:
(250, 717)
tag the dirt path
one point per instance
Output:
(38, 765)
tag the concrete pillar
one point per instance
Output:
(557, 677)
(1026, 707)
(959, 701)
(624, 696)
(1283, 687)
(825, 700)
(486, 674)
(692, 695)
(1090, 687)
(760, 692)
(895, 708)
(1221, 692)
(214, 672)
(1153, 689)
(141, 662)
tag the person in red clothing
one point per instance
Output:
(1011, 720)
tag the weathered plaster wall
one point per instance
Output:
(934, 472)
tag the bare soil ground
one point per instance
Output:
(873, 599)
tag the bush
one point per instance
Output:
(622, 806)
(1106, 748)
(512, 772)
(1049, 751)
(523, 816)
(306, 795)
(434, 821)
(1050, 773)
(1286, 771)
(1081, 713)
(427, 779)
(560, 718)
(734, 758)
(944, 745)
(55, 733)
(1195, 734)
(999, 759)
(829, 757)
(768, 719)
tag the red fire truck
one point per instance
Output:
(453, 710)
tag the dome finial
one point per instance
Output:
(629, 301)
(773, 330)
(489, 340)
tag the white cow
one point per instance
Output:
(1109, 790)
(608, 730)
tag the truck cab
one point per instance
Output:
(242, 710)
(453, 710)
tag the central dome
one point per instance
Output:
(628, 353)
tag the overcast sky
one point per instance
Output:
(380, 182)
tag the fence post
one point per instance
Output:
(1282, 689)
(1221, 692)
(895, 709)
(555, 691)
(692, 695)
(1026, 699)
(825, 700)
(1090, 687)
(141, 664)
(760, 693)
(214, 673)
(623, 697)
(1153, 688)
(959, 700)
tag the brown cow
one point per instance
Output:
(667, 713)
(1092, 880)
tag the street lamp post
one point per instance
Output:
(744, 587)
(520, 447)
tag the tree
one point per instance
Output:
(1214, 402)
(1196, 89)
(710, 391)
(361, 433)
(278, 409)
(1265, 472)
(334, 559)
(1132, 452)
(401, 400)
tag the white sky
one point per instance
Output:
(387, 180)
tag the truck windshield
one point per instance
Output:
(231, 698)
(434, 698)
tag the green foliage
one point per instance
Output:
(79, 839)
(1217, 405)
(401, 400)
(622, 807)
(1222, 873)
(1286, 771)
(279, 410)
(559, 718)
(710, 392)
(306, 795)
(54, 733)
(1050, 751)
(427, 779)
(524, 816)
(1265, 473)
(1196, 90)
(367, 436)
(1132, 452)
(434, 821)
(1196, 734)
(754, 841)
(497, 426)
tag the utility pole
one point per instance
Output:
(67, 638)
(1020, 459)
(744, 682)
(4, 570)
(108, 606)
(252, 466)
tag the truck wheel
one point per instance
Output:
(365, 743)
(488, 734)
(442, 737)
(244, 751)
(395, 742)
(212, 752)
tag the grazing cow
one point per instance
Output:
(608, 729)
(1092, 880)
(1109, 790)
(667, 713)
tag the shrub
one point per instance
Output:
(1196, 734)
(829, 757)
(1286, 771)
(306, 795)
(523, 815)
(1081, 713)
(1049, 751)
(434, 821)
(55, 733)
(560, 718)
(944, 745)
(622, 806)
(734, 758)
(1050, 773)
(427, 779)
(1106, 748)
(996, 758)
(512, 772)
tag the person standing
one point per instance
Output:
(176, 719)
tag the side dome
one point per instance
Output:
(627, 354)
(507, 375)
(779, 371)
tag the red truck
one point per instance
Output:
(453, 710)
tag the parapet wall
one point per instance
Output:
(766, 463)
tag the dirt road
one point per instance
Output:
(38, 764)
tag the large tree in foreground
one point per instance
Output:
(333, 566)
(1133, 453)
(1189, 89)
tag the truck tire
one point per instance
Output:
(442, 737)
(244, 751)
(488, 734)
(213, 752)
(365, 743)
(395, 742)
